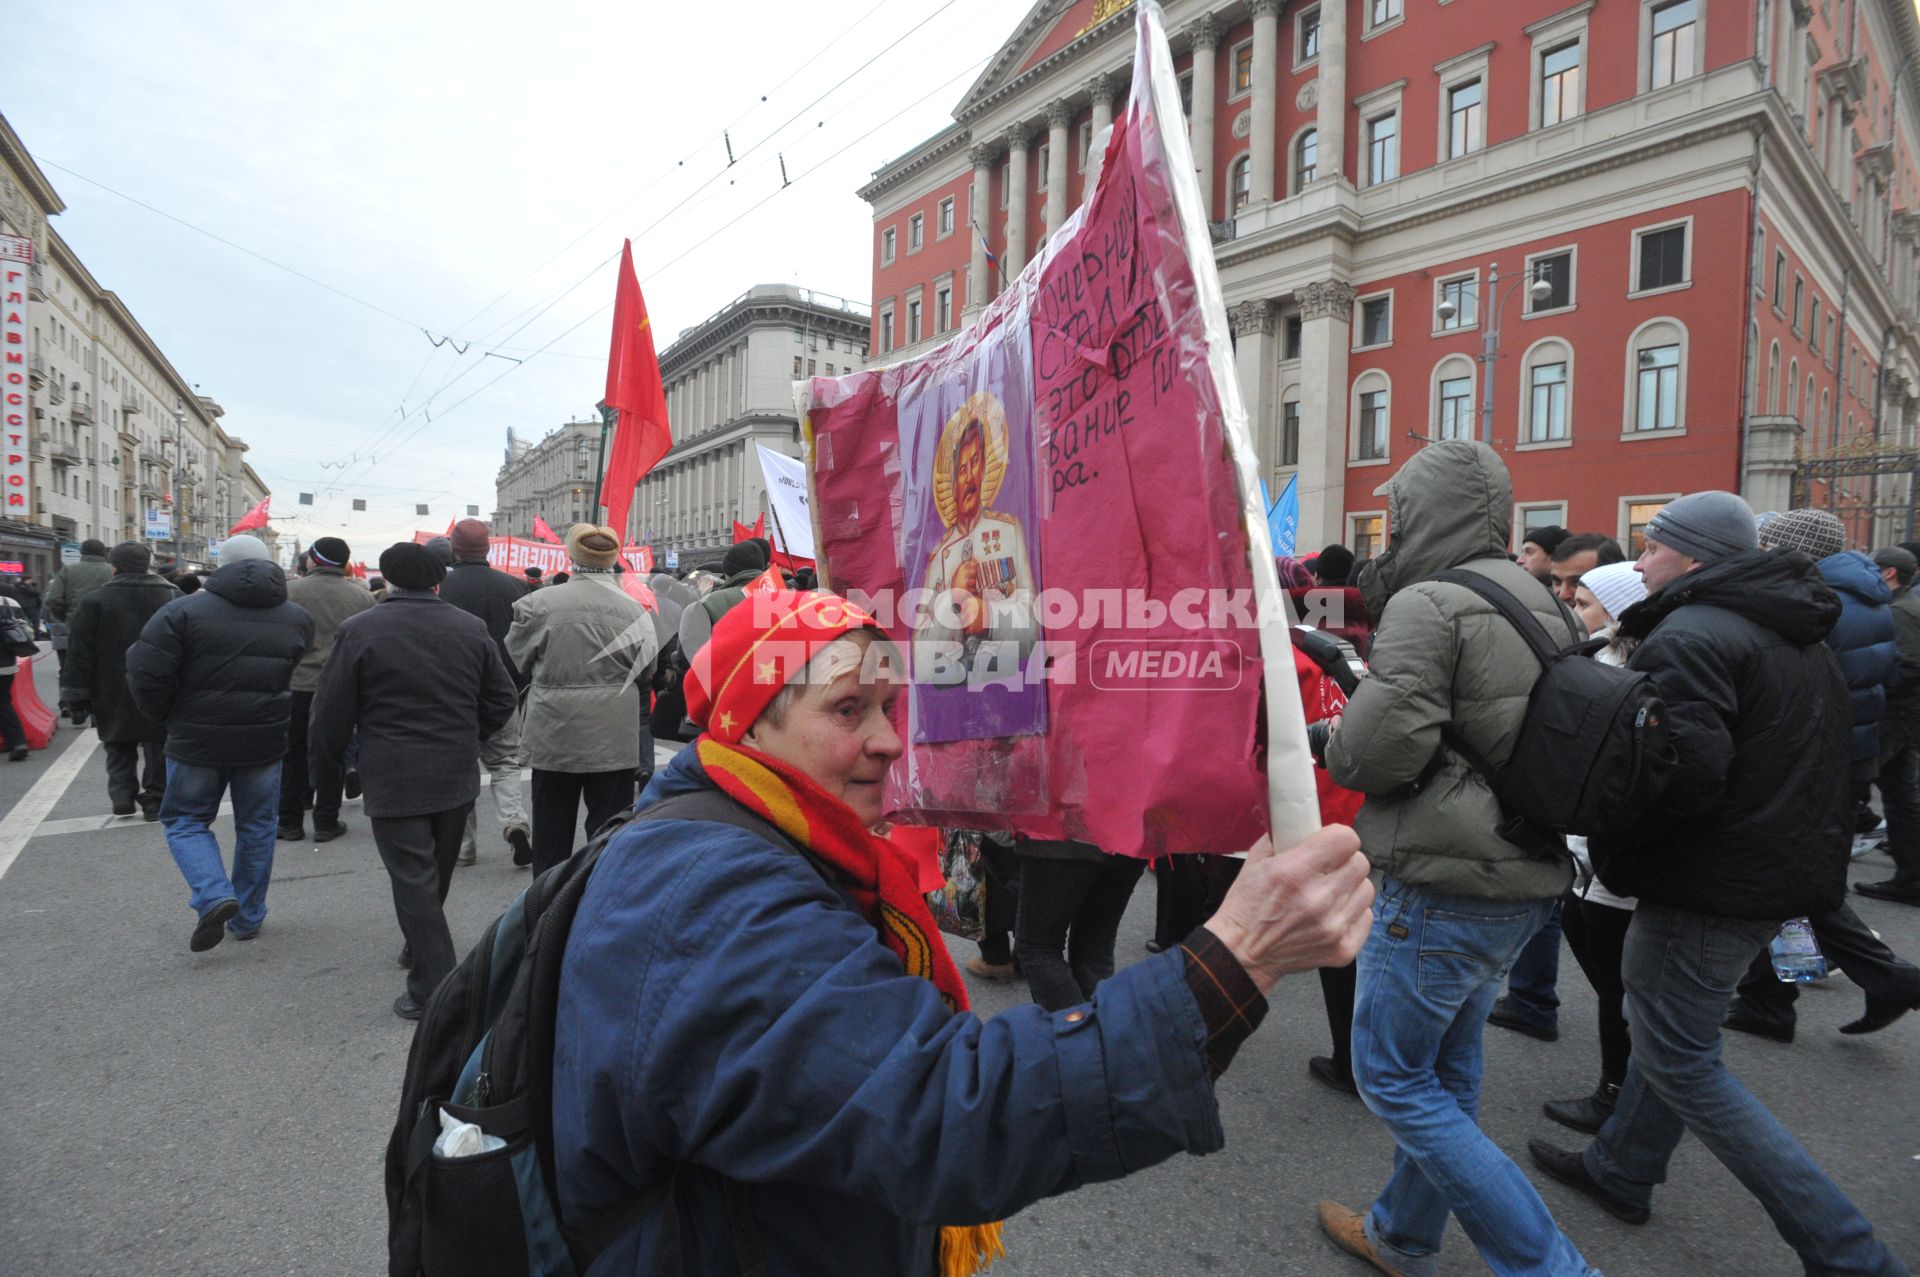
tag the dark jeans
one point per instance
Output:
(419, 853)
(557, 797)
(1001, 890)
(12, 734)
(1848, 944)
(1188, 890)
(1069, 914)
(1900, 796)
(297, 775)
(1597, 934)
(1532, 985)
(136, 770)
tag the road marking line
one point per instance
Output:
(27, 814)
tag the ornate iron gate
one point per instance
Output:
(1873, 490)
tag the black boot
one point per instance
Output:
(1586, 1115)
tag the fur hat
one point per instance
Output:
(130, 556)
(1815, 532)
(471, 539)
(592, 546)
(411, 567)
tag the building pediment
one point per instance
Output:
(1049, 27)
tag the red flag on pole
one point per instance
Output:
(641, 435)
(254, 518)
(544, 532)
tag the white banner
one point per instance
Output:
(16, 255)
(791, 528)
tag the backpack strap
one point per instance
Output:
(1518, 614)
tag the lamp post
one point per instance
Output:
(1539, 291)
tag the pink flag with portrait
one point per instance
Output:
(1056, 515)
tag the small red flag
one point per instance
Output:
(254, 518)
(641, 435)
(544, 532)
(768, 582)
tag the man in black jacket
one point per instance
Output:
(488, 593)
(1900, 736)
(215, 669)
(1752, 829)
(94, 679)
(424, 684)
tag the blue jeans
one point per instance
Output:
(187, 813)
(1428, 976)
(1533, 985)
(1679, 969)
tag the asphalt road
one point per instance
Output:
(225, 1113)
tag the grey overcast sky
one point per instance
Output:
(426, 157)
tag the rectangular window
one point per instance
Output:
(1535, 517)
(796, 367)
(1006, 182)
(1308, 36)
(944, 224)
(812, 367)
(916, 232)
(1243, 67)
(1663, 259)
(888, 239)
(1383, 148)
(943, 309)
(1557, 270)
(886, 329)
(1376, 321)
(1466, 116)
(1085, 149)
(1293, 331)
(913, 322)
(1046, 152)
(829, 370)
(1659, 392)
(1459, 305)
(1675, 28)
(1560, 84)
(1385, 11)
(1639, 515)
(1290, 433)
(1813, 325)
(1456, 409)
(1372, 444)
(1369, 536)
(1547, 409)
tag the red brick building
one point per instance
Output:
(1687, 231)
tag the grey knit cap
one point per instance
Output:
(1814, 532)
(1706, 526)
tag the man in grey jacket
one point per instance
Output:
(330, 596)
(73, 583)
(586, 651)
(1457, 900)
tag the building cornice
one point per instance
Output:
(15, 153)
(748, 313)
(984, 99)
(890, 177)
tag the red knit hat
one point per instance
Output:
(756, 649)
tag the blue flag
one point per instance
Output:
(1283, 517)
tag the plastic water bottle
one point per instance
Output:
(1796, 954)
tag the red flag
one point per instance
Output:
(544, 532)
(254, 518)
(767, 582)
(641, 435)
(742, 532)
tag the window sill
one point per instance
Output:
(1458, 331)
(1358, 462)
(1543, 445)
(1361, 350)
(1637, 436)
(1655, 292)
(1384, 27)
(1310, 63)
(1240, 95)
(1555, 313)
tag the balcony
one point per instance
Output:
(37, 369)
(81, 413)
(36, 282)
(150, 491)
(64, 452)
(56, 393)
(129, 402)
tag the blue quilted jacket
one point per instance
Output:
(1863, 640)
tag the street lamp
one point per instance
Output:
(1540, 289)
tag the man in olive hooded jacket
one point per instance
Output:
(1457, 901)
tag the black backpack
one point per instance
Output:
(1593, 750)
(483, 1052)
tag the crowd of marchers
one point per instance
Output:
(761, 1053)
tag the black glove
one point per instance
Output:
(1318, 734)
(78, 711)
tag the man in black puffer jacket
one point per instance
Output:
(1751, 830)
(215, 668)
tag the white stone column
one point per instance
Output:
(1330, 117)
(980, 285)
(1059, 121)
(1266, 77)
(1204, 33)
(1016, 199)
(1326, 313)
(1258, 366)
(1100, 89)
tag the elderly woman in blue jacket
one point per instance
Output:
(757, 1008)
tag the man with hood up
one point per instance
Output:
(1754, 827)
(1457, 900)
(216, 667)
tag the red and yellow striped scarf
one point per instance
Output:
(881, 884)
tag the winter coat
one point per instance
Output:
(586, 650)
(488, 593)
(104, 626)
(1901, 726)
(1441, 654)
(329, 596)
(697, 622)
(74, 582)
(424, 685)
(1863, 639)
(1756, 820)
(10, 606)
(724, 1010)
(215, 667)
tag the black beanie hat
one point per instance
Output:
(330, 552)
(411, 567)
(1335, 565)
(752, 554)
(130, 556)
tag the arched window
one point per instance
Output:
(1656, 391)
(1793, 389)
(1306, 159)
(1823, 435)
(1807, 422)
(1370, 429)
(1239, 183)
(1773, 378)
(1546, 392)
(1451, 415)
(1287, 450)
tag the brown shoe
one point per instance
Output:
(979, 966)
(1348, 1231)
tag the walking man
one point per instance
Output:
(1457, 900)
(71, 584)
(488, 593)
(586, 650)
(424, 685)
(330, 596)
(1900, 737)
(94, 680)
(215, 669)
(1753, 828)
